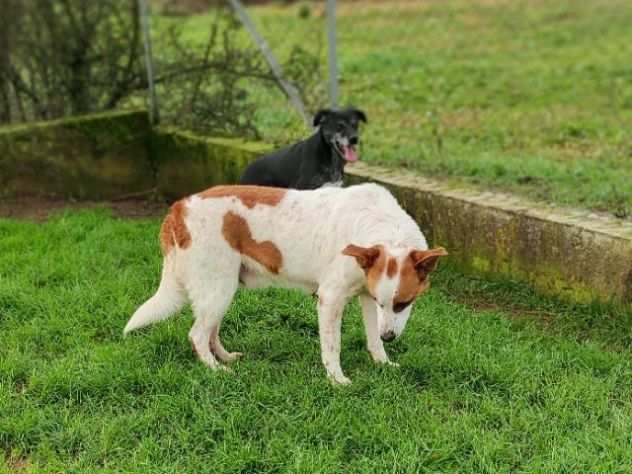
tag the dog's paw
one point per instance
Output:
(232, 357)
(383, 359)
(222, 368)
(212, 364)
(340, 380)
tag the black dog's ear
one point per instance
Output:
(361, 115)
(320, 115)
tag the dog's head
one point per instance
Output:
(394, 278)
(339, 128)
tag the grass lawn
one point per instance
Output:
(492, 377)
(530, 96)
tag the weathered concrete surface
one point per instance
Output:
(577, 255)
(91, 157)
(187, 163)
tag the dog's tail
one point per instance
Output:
(169, 298)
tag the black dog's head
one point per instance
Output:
(339, 128)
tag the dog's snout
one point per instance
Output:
(353, 140)
(388, 336)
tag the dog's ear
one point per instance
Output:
(360, 115)
(320, 115)
(425, 261)
(365, 257)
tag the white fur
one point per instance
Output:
(311, 229)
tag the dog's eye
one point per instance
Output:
(401, 306)
(341, 126)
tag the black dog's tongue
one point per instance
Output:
(350, 154)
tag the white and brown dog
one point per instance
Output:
(335, 242)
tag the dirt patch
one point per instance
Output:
(40, 208)
(16, 463)
(518, 313)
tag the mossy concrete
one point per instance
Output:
(187, 163)
(97, 156)
(113, 154)
(577, 255)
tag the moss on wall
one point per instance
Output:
(187, 163)
(107, 155)
(91, 157)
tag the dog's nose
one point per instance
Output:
(388, 336)
(353, 140)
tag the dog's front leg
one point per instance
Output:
(373, 340)
(330, 308)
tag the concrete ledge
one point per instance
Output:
(574, 254)
(97, 156)
(187, 163)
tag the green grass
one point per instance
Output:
(530, 96)
(521, 384)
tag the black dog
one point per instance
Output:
(314, 162)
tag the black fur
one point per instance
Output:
(313, 162)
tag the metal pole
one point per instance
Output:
(143, 9)
(287, 87)
(333, 62)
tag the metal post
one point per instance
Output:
(333, 61)
(143, 9)
(287, 87)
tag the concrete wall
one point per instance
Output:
(92, 157)
(186, 163)
(108, 155)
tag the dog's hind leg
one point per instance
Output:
(218, 349)
(211, 297)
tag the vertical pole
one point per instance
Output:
(333, 61)
(143, 8)
(287, 87)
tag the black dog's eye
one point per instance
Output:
(401, 306)
(341, 126)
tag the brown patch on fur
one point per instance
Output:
(374, 273)
(426, 261)
(391, 268)
(417, 267)
(365, 256)
(174, 230)
(237, 233)
(372, 260)
(410, 283)
(250, 196)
